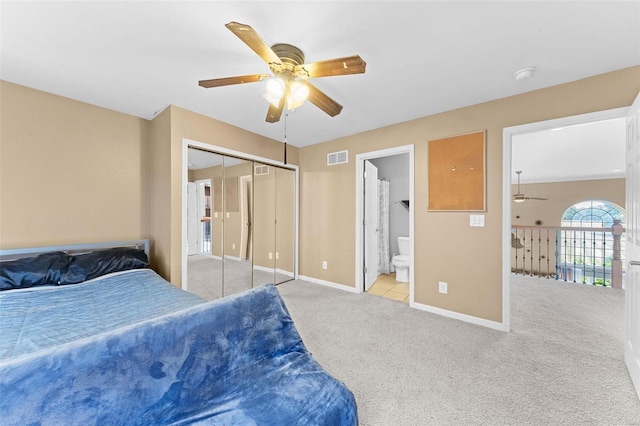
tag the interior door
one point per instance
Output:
(632, 297)
(370, 224)
(192, 218)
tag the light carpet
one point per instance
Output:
(205, 276)
(562, 363)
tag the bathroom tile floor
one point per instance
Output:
(387, 286)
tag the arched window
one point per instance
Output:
(592, 214)
(589, 252)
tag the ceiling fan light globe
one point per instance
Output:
(292, 103)
(275, 88)
(299, 91)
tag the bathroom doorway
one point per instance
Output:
(384, 212)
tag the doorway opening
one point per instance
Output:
(384, 219)
(520, 151)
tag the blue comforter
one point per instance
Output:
(37, 318)
(234, 361)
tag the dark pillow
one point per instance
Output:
(84, 267)
(44, 269)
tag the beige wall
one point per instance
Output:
(102, 175)
(69, 172)
(446, 249)
(561, 196)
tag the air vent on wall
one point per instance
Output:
(339, 157)
(261, 170)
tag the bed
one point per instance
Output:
(91, 335)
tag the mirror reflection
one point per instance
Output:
(204, 224)
(284, 224)
(237, 262)
(240, 224)
(264, 185)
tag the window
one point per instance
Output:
(589, 252)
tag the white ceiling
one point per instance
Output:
(588, 151)
(423, 57)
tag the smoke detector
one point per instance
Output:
(524, 73)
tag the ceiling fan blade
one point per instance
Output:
(274, 112)
(322, 101)
(332, 67)
(227, 81)
(254, 41)
(535, 198)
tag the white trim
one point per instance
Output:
(329, 284)
(462, 317)
(360, 158)
(285, 273)
(239, 154)
(507, 136)
(276, 271)
(186, 143)
(263, 268)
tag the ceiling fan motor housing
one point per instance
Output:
(290, 55)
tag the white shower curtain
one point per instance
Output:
(384, 258)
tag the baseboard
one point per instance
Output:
(285, 273)
(328, 284)
(262, 268)
(270, 270)
(462, 317)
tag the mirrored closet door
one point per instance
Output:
(237, 270)
(204, 224)
(285, 217)
(246, 236)
(264, 246)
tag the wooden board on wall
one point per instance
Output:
(457, 173)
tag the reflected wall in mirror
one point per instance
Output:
(285, 217)
(237, 265)
(204, 224)
(264, 185)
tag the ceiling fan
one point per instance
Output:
(520, 197)
(289, 85)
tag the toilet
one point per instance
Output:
(401, 261)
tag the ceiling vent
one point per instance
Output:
(339, 157)
(261, 170)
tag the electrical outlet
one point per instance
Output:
(215, 214)
(324, 264)
(277, 255)
(228, 215)
(233, 246)
(270, 255)
(442, 287)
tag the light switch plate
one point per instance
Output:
(476, 220)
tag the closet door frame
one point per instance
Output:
(186, 143)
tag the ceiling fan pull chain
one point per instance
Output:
(285, 138)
